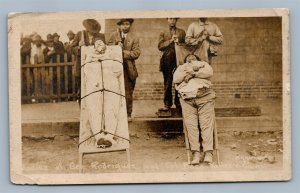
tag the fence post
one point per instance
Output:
(42, 71)
(73, 76)
(66, 75)
(58, 78)
(51, 82)
(36, 90)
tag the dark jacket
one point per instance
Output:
(51, 57)
(59, 48)
(131, 52)
(25, 52)
(78, 36)
(168, 59)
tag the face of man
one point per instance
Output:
(38, 43)
(100, 47)
(191, 58)
(56, 39)
(125, 26)
(172, 22)
(70, 36)
(50, 43)
(203, 19)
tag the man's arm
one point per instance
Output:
(181, 39)
(77, 39)
(217, 37)
(162, 43)
(179, 74)
(204, 72)
(112, 39)
(135, 51)
(189, 38)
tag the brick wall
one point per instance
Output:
(249, 64)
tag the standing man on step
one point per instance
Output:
(166, 44)
(131, 51)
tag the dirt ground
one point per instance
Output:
(153, 152)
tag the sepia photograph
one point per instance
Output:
(149, 96)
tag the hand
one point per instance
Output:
(188, 77)
(120, 44)
(81, 43)
(51, 52)
(196, 68)
(200, 39)
(174, 38)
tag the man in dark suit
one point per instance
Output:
(166, 44)
(69, 45)
(49, 50)
(131, 51)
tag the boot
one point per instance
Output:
(196, 158)
(208, 157)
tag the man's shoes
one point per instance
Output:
(129, 119)
(164, 109)
(208, 158)
(104, 143)
(196, 158)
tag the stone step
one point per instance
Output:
(153, 124)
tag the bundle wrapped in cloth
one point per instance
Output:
(103, 118)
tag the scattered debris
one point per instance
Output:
(236, 133)
(271, 159)
(253, 153)
(272, 142)
(260, 158)
(233, 146)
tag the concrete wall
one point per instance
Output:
(249, 64)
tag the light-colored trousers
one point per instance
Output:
(199, 120)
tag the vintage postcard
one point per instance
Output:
(160, 96)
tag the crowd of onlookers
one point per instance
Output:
(35, 50)
(46, 50)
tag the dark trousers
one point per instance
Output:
(129, 88)
(168, 82)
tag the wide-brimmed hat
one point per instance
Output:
(70, 32)
(26, 38)
(56, 35)
(50, 38)
(130, 20)
(92, 25)
(36, 38)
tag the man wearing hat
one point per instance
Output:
(25, 48)
(49, 51)
(90, 35)
(207, 36)
(36, 49)
(58, 46)
(86, 37)
(131, 51)
(69, 46)
(166, 44)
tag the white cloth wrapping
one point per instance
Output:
(102, 110)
